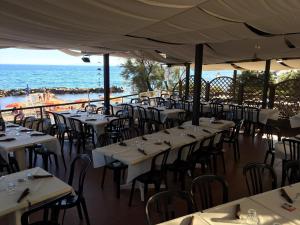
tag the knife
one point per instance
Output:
(41, 176)
(23, 195)
(286, 196)
(142, 151)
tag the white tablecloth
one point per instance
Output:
(24, 139)
(139, 163)
(295, 121)
(219, 124)
(40, 190)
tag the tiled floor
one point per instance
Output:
(105, 209)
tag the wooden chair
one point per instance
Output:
(203, 191)
(251, 119)
(256, 177)
(270, 131)
(168, 205)
(233, 139)
(291, 172)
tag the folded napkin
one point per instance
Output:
(2, 135)
(167, 143)
(37, 134)
(166, 132)
(206, 131)
(65, 113)
(122, 144)
(26, 130)
(10, 126)
(74, 116)
(144, 139)
(91, 119)
(190, 135)
(285, 195)
(217, 122)
(158, 143)
(179, 127)
(7, 139)
(42, 176)
(23, 195)
(142, 151)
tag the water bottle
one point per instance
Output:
(2, 123)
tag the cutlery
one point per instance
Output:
(238, 211)
(167, 143)
(285, 195)
(65, 113)
(90, 119)
(144, 139)
(75, 116)
(190, 135)
(37, 134)
(23, 195)
(10, 126)
(7, 139)
(122, 144)
(158, 143)
(142, 151)
(41, 176)
(180, 128)
(166, 132)
(26, 130)
(207, 131)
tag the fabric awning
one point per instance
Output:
(232, 30)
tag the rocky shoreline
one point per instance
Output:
(58, 90)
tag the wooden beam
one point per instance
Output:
(266, 83)
(106, 83)
(187, 81)
(197, 83)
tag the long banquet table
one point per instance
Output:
(267, 206)
(22, 138)
(12, 185)
(139, 163)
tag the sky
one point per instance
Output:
(49, 57)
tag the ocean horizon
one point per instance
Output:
(17, 76)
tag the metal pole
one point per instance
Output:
(266, 83)
(234, 86)
(197, 83)
(106, 83)
(187, 81)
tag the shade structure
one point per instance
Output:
(231, 30)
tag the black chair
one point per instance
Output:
(235, 113)
(81, 163)
(29, 121)
(251, 119)
(270, 131)
(42, 209)
(145, 101)
(155, 119)
(203, 190)
(100, 110)
(183, 163)
(18, 119)
(168, 205)
(143, 120)
(256, 178)
(233, 139)
(135, 100)
(81, 132)
(114, 130)
(216, 110)
(153, 176)
(4, 166)
(217, 150)
(291, 151)
(44, 125)
(291, 172)
(90, 108)
(39, 149)
(159, 101)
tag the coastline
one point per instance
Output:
(58, 90)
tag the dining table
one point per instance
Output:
(263, 209)
(16, 138)
(41, 189)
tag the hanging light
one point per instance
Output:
(279, 60)
(86, 59)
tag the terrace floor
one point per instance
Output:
(105, 209)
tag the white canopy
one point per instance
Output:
(232, 30)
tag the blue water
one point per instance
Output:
(49, 76)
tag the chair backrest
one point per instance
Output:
(291, 172)
(205, 144)
(219, 140)
(18, 119)
(168, 205)
(145, 101)
(251, 114)
(100, 110)
(90, 108)
(215, 109)
(160, 101)
(154, 114)
(44, 125)
(159, 161)
(135, 100)
(270, 131)
(76, 125)
(61, 119)
(129, 108)
(235, 112)
(185, 152)
(291, 149)
(204, 191)
(142, 112)
(235, 131)
(28, 121)
(80, 165)
(256, 177)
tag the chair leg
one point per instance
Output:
(85, 211)
(103, 177)
(272, 159)
(118, 181)
(79, 211)
(45, 161)
(223, 161)
(63, 157)
(35, 159)
(214, 158)
(30, 154)
(266, 157)
(56, 161)
(132, 192)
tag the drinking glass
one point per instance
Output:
(11, 187)
(252, 218)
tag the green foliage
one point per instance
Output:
(249, 77)
(292, 74)
(143, 75)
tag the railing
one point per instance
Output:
(39, 109)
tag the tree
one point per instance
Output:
(143, 75)
(292, 74)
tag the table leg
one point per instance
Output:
(21, 159)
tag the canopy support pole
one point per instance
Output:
(106, 83)
(197, 83)
(187, 81)
(266, 83)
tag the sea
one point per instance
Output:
(17, 76)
